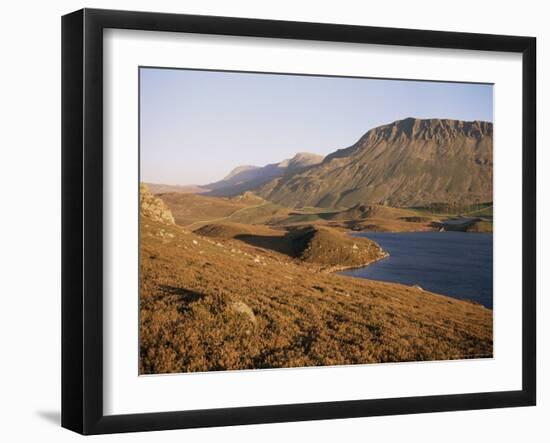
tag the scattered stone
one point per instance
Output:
(195, 242)
(243, 308)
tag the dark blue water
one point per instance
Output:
(458, 264)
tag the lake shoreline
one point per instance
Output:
(340, 268)
(449, 263)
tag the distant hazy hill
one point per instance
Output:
(245, 178)
(156, 188)
(406, 163)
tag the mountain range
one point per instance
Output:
(246, 178)
(410, 162)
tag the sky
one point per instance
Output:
(196, 126)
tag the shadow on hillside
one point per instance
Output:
(348, 224)
(292, 243)
(278, 243)
(321, 215)
(186, 296)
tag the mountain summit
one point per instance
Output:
(239, 171)
(245, 178)
(409, 162)
(301, 160)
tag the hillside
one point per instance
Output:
(211, 304)
(362, 217)
(230, 230)
(190, 208)
(361, 211)
(334, 250)
(193, 210)
(409, 162)
(245, 178)
(381, 218)
(327, 248)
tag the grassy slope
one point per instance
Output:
(231, 230)
(195, 210)
(476, 210)
(209, 304)
(480, 226)
(327, 248)
(483, 212)
(189, 208)
(368, 217)
(383, 219)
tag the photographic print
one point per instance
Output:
(291, 220)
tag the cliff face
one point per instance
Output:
(406, 163)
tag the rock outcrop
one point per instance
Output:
(153, 207)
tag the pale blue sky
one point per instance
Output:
(198, 125)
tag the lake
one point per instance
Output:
(457, 264)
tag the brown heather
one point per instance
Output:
(213, 302)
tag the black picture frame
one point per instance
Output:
(82, 218)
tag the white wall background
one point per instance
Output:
(30, 218)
